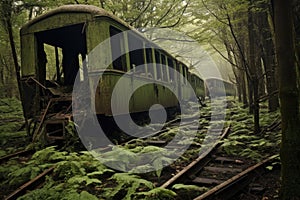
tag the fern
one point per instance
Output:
(51, 192)
(142, 169)
(128, 183)
(189, 188)
(23, 174)
(119, 157)
(249, 153)
(156, 193)
(68, 169)
(78, 179)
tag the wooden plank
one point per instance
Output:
(206, 181)
(223, 169)
(234, 179)
(195, 162)
(157, 142)
(228, 160)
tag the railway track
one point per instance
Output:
(195, 166)
(224, 176)
(39, 180)
(30, 185)
(227, 189)
(16, 154)
(189, 121)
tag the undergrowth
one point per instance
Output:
(79, 175)
(243, 142)
(12, 136)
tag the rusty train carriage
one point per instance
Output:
(219, 87)
(69, 34)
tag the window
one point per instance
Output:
(117, 49)
(158, 65)
(136, 53)
(164, 67)
(171, 72)
(184, 73)
(149, 60)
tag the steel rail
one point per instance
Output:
(19, 153)
(197, 164)
(231, 186)
(21, 190)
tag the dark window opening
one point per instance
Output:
(171, 72)
(164, 67)
(149, 60)
(60, 55)
(184, 73)
(117, 49)
(158, 65)
(136, 54)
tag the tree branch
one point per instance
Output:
(141, 13)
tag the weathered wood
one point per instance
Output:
(195, 163)
(223, 169)
(228, 160)
(206, 181)
(234, 180)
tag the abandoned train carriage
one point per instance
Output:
(219, 87)
(55, 45)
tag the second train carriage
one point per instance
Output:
(55, 45)
(218, 87)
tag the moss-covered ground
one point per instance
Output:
(78, 175)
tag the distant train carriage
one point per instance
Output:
(218, 87)
(55, 45)
(198, 86)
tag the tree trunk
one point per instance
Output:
(7, 10)
(244, 89)
(289, 99)
(253, 79)
(268, 57)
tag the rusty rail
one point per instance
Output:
(19, 153)
(21, 190)
(230, 187)
(197, 164)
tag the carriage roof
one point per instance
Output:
(92, 11)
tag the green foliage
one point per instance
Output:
(129, 183)
(73, 174)
(11, 119)
(188, 191)
(51, 191)
(156, 193)
(189, 188)
(119, 157)
(153, 159)
(242, 142)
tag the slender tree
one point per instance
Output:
(289, 100)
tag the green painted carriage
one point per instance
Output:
(56, 50)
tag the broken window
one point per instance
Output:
(60, 55)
